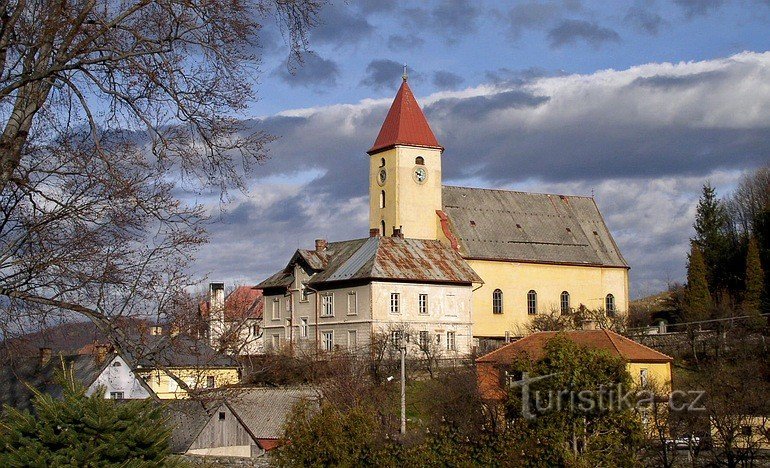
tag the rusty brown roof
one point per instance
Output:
(387, 259)
(529, 227)
(244, 302)
(533, 347)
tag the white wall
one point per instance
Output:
(118, 377)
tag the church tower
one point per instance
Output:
(405, 172)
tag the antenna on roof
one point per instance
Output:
(405, 76)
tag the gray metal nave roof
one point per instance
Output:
(529, 227)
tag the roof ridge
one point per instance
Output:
(614, 345)
(642, 345)
(517, 191)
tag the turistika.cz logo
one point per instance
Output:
(600, 400)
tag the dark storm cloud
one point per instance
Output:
(339, 25)
(398, 42)
(680, 81)
(571, 31)
(314, 71)
(643, 19)
(476, 107)
(384, 74)
(443, 79)
(693, 8)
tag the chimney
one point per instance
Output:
(320, 245)
(216, 312)
(100, 352)
(374, 232)
(397, 232)
(45, 356)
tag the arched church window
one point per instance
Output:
(382, 162)
(532, 302)
(564, 302)
(609, 304)
(497, 302)
(382, 199)
(419, 161)
(382, 227)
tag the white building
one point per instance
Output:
(346, 295)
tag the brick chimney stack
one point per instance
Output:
(44, 356)
(398, 233)
(320, 245)
(374, 232)
(100, 352)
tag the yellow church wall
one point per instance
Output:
(586, 285)
(408, 204)
(167, 388)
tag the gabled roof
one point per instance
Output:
(187, 419)
(529, 227)
(244, 302)
(386, 259)
(405, 124)
(532, 347)
(177, 351)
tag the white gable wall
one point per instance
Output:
(118, 377)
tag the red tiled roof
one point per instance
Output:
(244, 302)
(532, 347)
(405, 124)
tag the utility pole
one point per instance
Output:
(403, 388)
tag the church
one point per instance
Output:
(456, 266)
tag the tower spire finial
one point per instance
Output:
(405, 76)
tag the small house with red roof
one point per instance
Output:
(645, 365)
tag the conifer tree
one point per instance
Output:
(698, 303)
(711, 234)
(755, 279)
(83, 431)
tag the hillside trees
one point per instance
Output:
(113, 115)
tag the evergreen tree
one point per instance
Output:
(755, 281)
(83, 431)
(712, 227)
(697, 299)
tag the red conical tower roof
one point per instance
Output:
(405, 124)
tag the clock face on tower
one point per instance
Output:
(382, 176)
(420, 174)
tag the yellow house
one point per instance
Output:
(645, 365)
(536, 253)
(188, 360)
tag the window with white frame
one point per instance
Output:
(210, 381)
(643, 378)
(532, 302)
(565, 302)
(327, 340)
(423, 339)
(327, 305)
(352, 303)
(450, 341)
(303, 328)
(438, 339)
(287, 330)
(275, 341)
(422, 304)
(303, 292)
(116, 395)
(395, 303)
(497, 301)
(288, 304)
(352, 340)
(395, 337)
(276, 309)
(609, 304)
(254, 330)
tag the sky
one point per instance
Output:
(638, 103)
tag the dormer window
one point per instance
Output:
(419, 160)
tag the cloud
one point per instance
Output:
(384, 74)
(314, 71)
(645, 20)
(399, 43)
(693, 8)
(452, 19)
(643, 139)
(570, 31)
(443, 79)
(339, 25)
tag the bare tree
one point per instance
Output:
(110, 112)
